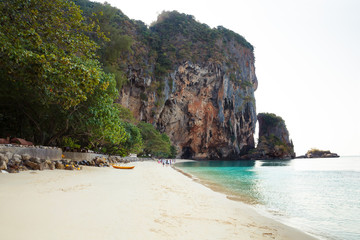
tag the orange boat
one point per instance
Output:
(123, 167)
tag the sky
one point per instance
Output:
(307, 60)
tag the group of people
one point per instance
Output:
(166, 162)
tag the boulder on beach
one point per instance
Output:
(17, 158)
(34, 165)
(35, 160)
(69, 167)
(9, 155)
(51, 166)
(59, 165)
(3, 158)
(23, 168)
(25, 157)
(3, 165)
(100, 160)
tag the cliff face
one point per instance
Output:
(274, 142)
(271, 125)
(204, 113)
(192, 82)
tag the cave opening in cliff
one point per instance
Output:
(187, 153)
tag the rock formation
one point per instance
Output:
(274, 142)
(204, 113)
(316, 153)
(11, 162)
(204, 101)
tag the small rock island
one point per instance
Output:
(274, 141)
(316, 153)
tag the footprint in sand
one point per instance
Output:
(75, 188)
(268, 235)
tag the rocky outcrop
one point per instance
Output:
(14, 163)
(198, 88)
(205, 113)
(316, 153)
(274, 141)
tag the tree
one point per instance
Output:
(111, 50)
(155, 143)
(97, 121)
(134, 142)
(126, 115)
(45, 49)
(52, 84)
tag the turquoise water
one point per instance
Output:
(318, 196)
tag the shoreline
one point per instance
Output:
(249, 202)
(217, 188)
(149, 202)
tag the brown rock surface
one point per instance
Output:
(59, 165)
(197, 85)
(3, 165)
(205, 114)
(32, 165)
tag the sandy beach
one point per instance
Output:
(148, 202)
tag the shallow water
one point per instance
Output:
(319, 196)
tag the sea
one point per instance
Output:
(320, 196)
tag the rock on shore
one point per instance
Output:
(274, 141)
(13, 163)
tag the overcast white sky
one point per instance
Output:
(307, 60)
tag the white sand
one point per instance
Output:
(148, 202)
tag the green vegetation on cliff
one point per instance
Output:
(271, 119)
(171, 40)
(178, 37)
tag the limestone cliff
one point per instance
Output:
(193, 82)
(274, 142)
(200, 90)
(204, 113)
